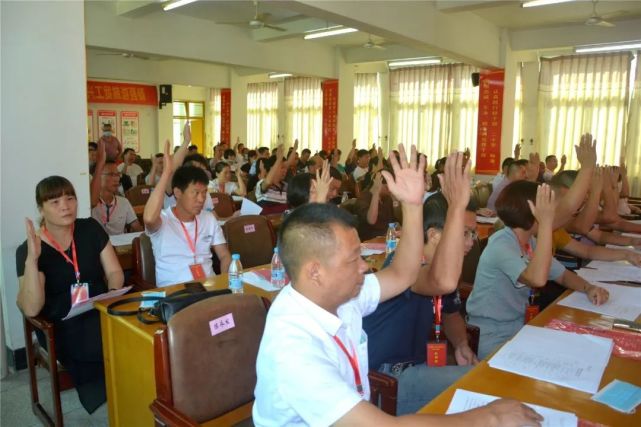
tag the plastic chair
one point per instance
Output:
(144, 274)
(251, 236)
(138, 195)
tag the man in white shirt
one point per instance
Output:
(501, 176)
(156, 170)
(362, 164)
(128, 167)
(113, 212)
(551, 164)
(312, 363)
(182, 236)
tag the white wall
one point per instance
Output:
(44, 108)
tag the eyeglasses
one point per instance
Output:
(470, 234)
(113, 174)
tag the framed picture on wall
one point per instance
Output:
(129, 129)
(90, 130)
(107, 116)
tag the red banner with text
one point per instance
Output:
(121, 93)
(488, 146)
(330, 113)
(225, 116)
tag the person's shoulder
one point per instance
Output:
(88, 223)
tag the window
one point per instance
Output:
(262, 114)
(194, 112)
(367, 111)
(304, 99)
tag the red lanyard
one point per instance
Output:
(109, 212)
(56, 245)
(353, 360)
(437, 305)
(221, 187)
(191, 243)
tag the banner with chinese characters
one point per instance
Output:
(225, 115)
(488, 147)
(330, 113)
(90, 131)
(104, 117)
(121, 93)
(129, 130)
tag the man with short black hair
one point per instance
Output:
(551, 164)
(312, 363)
(128, 167)
(503, 174)
(182, 236)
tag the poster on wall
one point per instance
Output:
(107, 116)
(225, 115)
(330, 113)
(129, 130)
(90, 131)
(488, 145)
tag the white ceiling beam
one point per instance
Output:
(293, 28)
(355, 55)
(454, 6)
(136, 9)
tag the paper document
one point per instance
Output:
(124, 239)
(87, 305)
(619, 395)
(563, 358)
(464, 400)
(486, 220)
(630, 248)
(624, 302)
(618, 270)
(255, 279)
(250, 208)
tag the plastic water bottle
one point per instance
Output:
(390, 238)
(278, 270)
(235, 275)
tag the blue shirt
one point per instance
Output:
(497, 293)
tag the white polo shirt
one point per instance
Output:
(359, 172)
(303, 376)
(133, 171)
(230, 187)
(172, 252)
(114, 217)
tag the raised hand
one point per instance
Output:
(354, 143)
(407, 184)
(586, 151)
(167, 158)
(377, 183)
(545, 204)
(455, 180)
(517, 151)
(532, 169)
(101, 153)
(34, 245)
(321, 184)
(296, 144)
(564, 160)
(597, 180)
(187, 133)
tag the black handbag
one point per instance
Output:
(164, 307)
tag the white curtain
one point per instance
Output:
(583, 93)
(304, 101)
(633, 144)
(262, 114)
(367, 110)
(518, 106)
(434, 107)
(214, 120)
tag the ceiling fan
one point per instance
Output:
(260, 20)
(596, 20)
(124, 55)
(371, 45)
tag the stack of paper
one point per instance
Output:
(563, 358)
(617, 270)
(123, 239)
(624, 302)
(464, 400)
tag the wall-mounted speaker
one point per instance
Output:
(475, 79)
(165, 95)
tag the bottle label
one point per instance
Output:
(391, 245)
(235, 282)
(278, 275)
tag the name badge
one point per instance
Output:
(437, 353)
(79, 293)
(197, 271)
(531, 312)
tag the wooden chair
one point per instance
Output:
(144, 274)
(482, 193)
(202, 378)
(251, 236)
(46, 358)
(138, 195)
(223, 205)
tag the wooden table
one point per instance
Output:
(129, 358)
(484, 379)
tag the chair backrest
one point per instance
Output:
(205, 358)
(252, 237)
(144, 263)
(223, 204)
(139, 194)
(482, 193)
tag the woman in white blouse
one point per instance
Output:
(223, 183)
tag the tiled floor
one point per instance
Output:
(15, 403)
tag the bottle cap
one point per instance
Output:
(235, 256)
(275, 249)
(392, 224)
